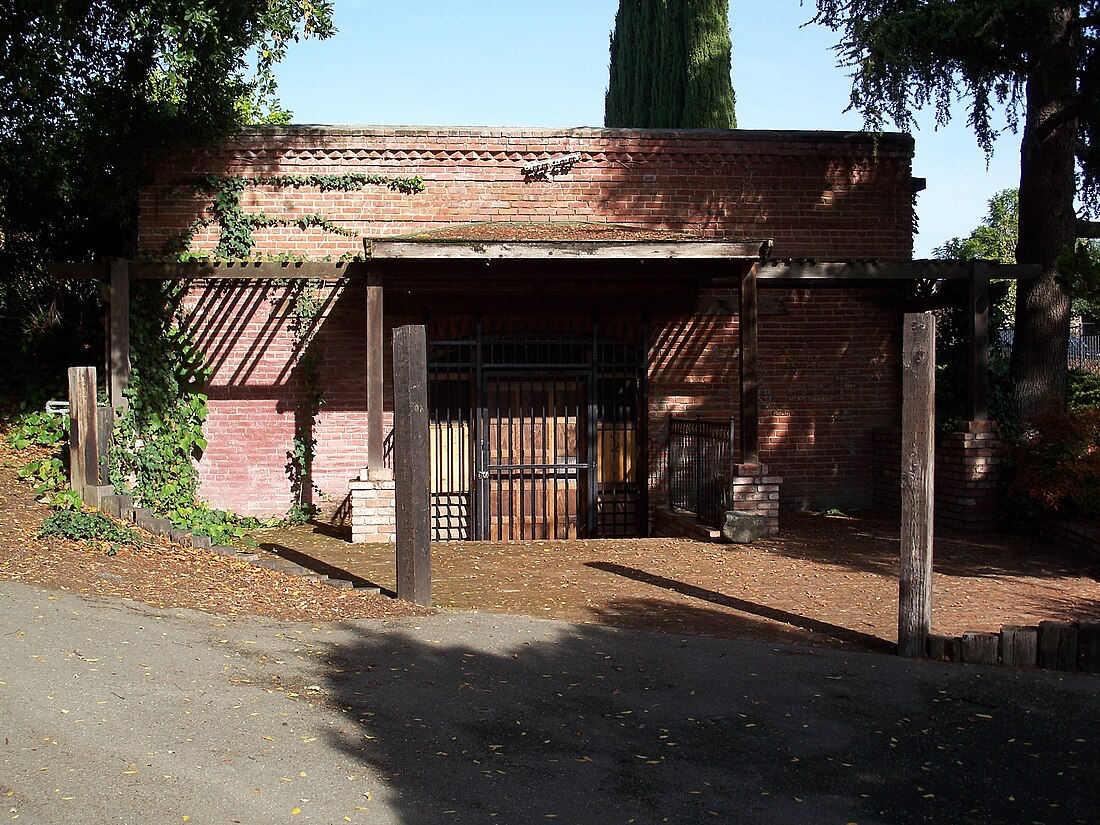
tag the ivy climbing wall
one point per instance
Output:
(830, 373)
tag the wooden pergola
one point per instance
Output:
(746, 261)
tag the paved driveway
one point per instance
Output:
(116, 712)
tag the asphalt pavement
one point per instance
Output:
(116, 712)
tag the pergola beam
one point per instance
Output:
(930, 270)
(566, 250)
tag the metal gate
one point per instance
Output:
(534, 434)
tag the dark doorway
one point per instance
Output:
(536, 434)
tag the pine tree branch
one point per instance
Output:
(1088, 229)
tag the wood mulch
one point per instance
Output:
(825, 580)
(161, 573)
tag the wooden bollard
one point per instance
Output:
(1058, 645)
(1019, 646)
(979, 648)
(943, 648)
(1088, 647)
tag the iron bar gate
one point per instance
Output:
(700, 464)
(535, 434)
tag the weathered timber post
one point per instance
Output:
(977, 396)
(83, 430)
(118, 378)
(917, 472)
(750, 398)
(411, 464)
(375, 338)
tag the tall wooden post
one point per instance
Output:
(375, 361)
(977, 401)
(750, 400)
(917, 473)
(118, 378)
(83, 429)
(411, 463)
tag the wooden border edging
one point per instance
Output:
(1065, 646)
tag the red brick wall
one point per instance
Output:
(828, 356)
(829, 373)
(816, 193)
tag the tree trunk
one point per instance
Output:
(1047, 218)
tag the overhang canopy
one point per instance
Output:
(560, 241)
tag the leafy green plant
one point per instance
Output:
(38, 428)
(89, 526)
(47, 474)
(299, 466)
(236, 239)
(159, 437)
(1083, 391)
(224, 527)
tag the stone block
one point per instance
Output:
(743, 528)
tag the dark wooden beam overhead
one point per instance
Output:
(927, 270)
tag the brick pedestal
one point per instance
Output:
(373, 511)
(752, 490)
(967, 476)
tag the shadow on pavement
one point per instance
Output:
(499, 719)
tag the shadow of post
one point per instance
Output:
(843, 634)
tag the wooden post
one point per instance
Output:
(118, 378)
(917, 471)
(83, 429)
(375, 361)
(411, 464)
(750, 401)
(977, 405)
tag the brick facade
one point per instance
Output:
(830, 369)
(967, 476)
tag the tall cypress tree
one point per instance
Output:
(709, 97)
(670, 65)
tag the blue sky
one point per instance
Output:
(523, 63)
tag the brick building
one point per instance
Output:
(554, 372)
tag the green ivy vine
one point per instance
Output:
(305, 309)
(159, 437)
(236, 239)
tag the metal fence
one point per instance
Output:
(1084, 352)
(700, 457)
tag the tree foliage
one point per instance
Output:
(670, 65)
(1036, 58)
(89, 90)
(995, 238)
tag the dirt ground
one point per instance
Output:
(824, 580)
(161, 573)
